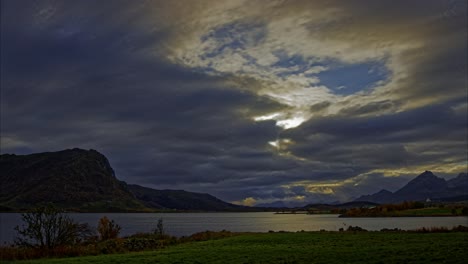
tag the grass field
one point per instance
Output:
(394, 211)
(430, 211)
(316, 247)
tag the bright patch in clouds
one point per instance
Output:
(249, 201)
(285, 123)
(274, 143)
(266, 117)
(290, 123)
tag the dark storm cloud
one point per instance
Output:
(383, 141)
(160, 123)
(100, 75)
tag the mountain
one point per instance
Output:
(348, 205)
(460, 181)
(83, 180)
(181, 200)
(280, 204)
(426, 185)
(378, 197)
(73, 179)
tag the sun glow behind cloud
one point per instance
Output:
(290, 123)
(266, 117)
(285, 123)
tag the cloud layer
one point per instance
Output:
(252, 101)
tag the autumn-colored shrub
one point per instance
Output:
(108, 229)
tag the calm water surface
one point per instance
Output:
(183, 224)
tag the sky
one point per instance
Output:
(251, 101)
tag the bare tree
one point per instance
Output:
(48, 227)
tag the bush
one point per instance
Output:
(209, 235)
(465, 211)
(460, 228)
(139, 244)
(433, 229)
(110, 246)
(391, 230)
(48, 227)
(108, 229)
(356, 228)
(159, 230)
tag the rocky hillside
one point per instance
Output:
(74, 179)
(83, 180)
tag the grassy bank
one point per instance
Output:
(428, 212)
(314, 247)
(407, 209)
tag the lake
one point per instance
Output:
(183, 224)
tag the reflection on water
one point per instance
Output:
(182, 224)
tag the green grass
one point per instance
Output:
(316, 247)
(379, 212)
(430, 211)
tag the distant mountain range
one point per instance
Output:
(83, 180)
(423, 187)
